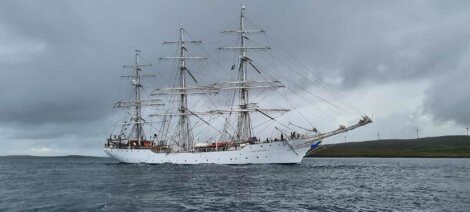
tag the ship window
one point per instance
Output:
(246, 158)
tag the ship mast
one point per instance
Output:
(243, 85)
(137, 128)
(244, 121)
(184, 136)
(183, 122)
(134, 106)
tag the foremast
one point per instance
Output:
(244, 130)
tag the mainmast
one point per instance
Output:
(184, 134)
(183, 122)
(134, 106)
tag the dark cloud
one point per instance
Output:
(448, 99)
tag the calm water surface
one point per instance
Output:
(101, 184)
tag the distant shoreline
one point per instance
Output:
(55, 156)
(368, 156)
(430, 147)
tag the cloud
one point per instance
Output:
(44, 151)
(448, 98)
(17, 49)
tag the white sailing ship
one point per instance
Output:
(237, 144)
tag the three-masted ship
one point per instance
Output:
(175, 143)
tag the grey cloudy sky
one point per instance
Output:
(405, 62)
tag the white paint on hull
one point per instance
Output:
(275, 152)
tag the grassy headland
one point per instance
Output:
(444, 146)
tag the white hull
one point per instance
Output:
(275, 152)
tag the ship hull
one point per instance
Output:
(276, 152)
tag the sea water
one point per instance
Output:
(326, 184)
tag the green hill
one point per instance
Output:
(444, 146)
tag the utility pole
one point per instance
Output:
(378, 135)
(417, 133)
(467, 131)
